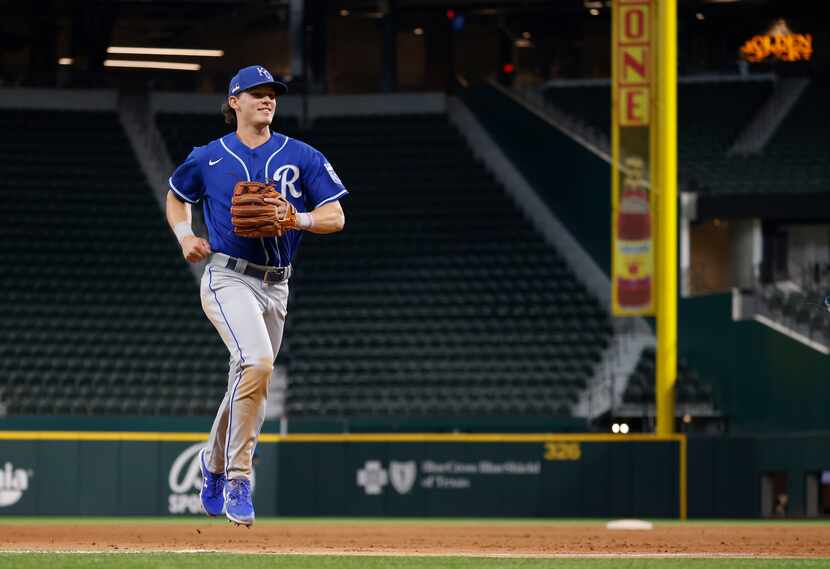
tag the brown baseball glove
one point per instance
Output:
(252, 216)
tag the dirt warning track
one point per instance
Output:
(395, 538)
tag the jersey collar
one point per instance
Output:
(232, 141)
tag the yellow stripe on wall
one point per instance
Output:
(138, 436)
(133, 436)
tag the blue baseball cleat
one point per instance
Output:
(213, 485)
(239, 508)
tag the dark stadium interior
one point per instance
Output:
(346, 42)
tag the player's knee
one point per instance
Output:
(256, 376)
(262, 367)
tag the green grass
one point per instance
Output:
(223, 561)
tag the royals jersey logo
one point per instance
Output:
(287, 176)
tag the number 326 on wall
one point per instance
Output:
(563, 451)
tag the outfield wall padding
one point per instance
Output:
(342, 477)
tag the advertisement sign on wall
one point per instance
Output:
(632, 201)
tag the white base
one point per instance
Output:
(629, 525)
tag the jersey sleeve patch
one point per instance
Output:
(332, 174)
(320, 182)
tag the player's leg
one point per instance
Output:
(235, 308)
(212, 492)
(274, 318)
(215, 451)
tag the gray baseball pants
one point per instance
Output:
(249, 316)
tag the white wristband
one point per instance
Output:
(305, 220)
(182, 229)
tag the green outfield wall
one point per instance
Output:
(725, 473)
(134, 473)
(522, 475)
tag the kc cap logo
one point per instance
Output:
(252, 76)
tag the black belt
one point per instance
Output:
(268, 275)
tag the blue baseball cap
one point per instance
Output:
(253, 76)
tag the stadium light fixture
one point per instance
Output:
(418, 31)
(123, 50)
(66, 61)
(624, 428)
(138, 64)
(615, 428)
(594, 12)
(699, 16)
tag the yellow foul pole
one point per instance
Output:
(665, 184)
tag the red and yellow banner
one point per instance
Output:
(632, 201)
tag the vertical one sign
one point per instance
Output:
(632, 201)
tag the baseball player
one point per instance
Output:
(244, 288)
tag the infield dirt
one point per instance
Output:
(461, 538)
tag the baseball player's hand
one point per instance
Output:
(195, 248)
(258, 210)
(281, 209)
(280, 206)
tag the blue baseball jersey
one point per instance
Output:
(300, 172)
